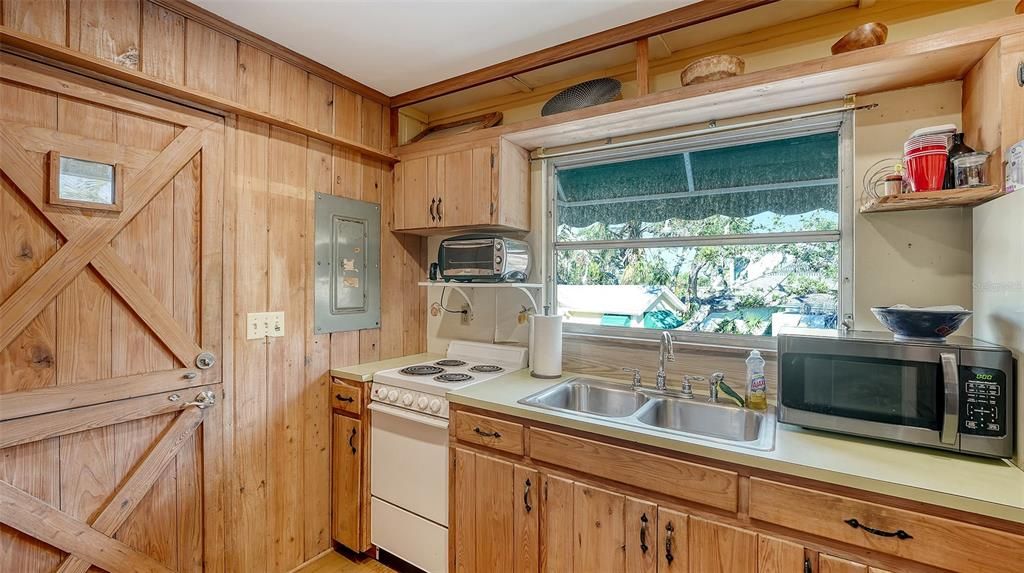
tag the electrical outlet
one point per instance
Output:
(465, 317)
(262, 324)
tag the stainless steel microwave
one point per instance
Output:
(955, 395)
(483, 258)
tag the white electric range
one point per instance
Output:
(409, 447)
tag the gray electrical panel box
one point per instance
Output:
(347, 271)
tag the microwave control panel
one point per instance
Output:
(983, 408)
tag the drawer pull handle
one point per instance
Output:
(350, 438)
(643, 533)
(341, 398)
(526, 496)
(898, 534)
(486, 434)
(668, 542)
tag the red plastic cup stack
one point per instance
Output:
(924, 157)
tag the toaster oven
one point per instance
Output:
(483, 258)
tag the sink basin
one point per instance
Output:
(588, 396)
(715, 420)
(662, 412)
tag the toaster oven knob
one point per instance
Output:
(422, 403)
(393, 396)
(497, 245)
(435, 405)
(407, 400)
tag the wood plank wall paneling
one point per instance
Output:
(277, 431)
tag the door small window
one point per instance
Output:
(84, 183)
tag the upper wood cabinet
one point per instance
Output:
(486, 185)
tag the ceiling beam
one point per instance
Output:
(689, 15)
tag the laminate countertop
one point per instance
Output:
(977, 485)
(365, 372)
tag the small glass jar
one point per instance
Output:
(971, 169)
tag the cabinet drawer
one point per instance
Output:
(347, 397)
(915, 536)
(491, 432)
(683, 480)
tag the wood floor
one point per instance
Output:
(334, 562)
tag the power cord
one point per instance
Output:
(441, 304)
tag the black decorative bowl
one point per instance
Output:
(586, 94)
(919, 324)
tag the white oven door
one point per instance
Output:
(409, 461)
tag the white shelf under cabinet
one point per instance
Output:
(458, 286)
(480, 285)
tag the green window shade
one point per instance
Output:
(786, 177)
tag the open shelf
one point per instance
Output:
(932, 200)
(458, 286)
(480, 285)
(920, 61)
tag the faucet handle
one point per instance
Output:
(687, 389)
(636, 376)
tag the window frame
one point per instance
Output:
(839, 122)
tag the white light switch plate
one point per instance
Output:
(261, 324)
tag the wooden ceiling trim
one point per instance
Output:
(207, 18)
(82, 62)
(665, 22)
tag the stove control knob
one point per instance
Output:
(382, 393)
(435, 405)
(407, 399)
(422, 403)
(393, 396)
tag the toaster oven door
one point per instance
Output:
(467, 258)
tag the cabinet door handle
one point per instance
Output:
(350, 438)
(341, 398)
(440, 213)
(526, 496)
(898, 534)
(669, 533)
(486, 434)
(643, 533)
(433, 202)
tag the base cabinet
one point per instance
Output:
(495, 517)
(557, 501)
(350, 497)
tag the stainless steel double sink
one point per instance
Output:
(659, 411)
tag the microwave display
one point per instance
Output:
(863, 388)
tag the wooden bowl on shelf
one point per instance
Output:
(866, 36)
(711, 68)
(1020, 8)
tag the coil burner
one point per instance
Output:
(421, 370)
(486, 368)
(453, 377)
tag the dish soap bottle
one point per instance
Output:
(757, 388)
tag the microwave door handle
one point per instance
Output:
(951, 390)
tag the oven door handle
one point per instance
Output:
(407, 415)
(951, 404)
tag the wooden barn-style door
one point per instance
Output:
(111, 327)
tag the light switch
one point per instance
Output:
(275, 323)
(262, 324)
